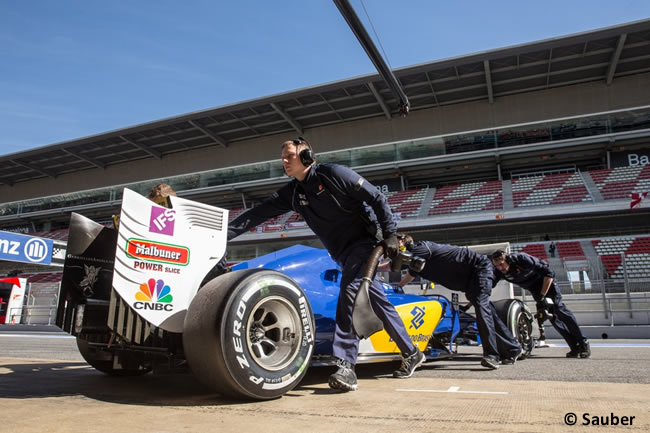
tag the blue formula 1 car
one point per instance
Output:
(137, 301)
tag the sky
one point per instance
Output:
(76, 68)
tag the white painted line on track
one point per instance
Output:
(455, 389)
(35, 335)
(615, 345)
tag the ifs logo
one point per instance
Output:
(154, 295)
(418, 317)
(162, 221)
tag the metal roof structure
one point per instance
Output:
(599, 55)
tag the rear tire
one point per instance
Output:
(519, 321)
(249, 334)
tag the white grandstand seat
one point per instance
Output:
(635, 249)
(470, 197)
(536, 250)
(549, 189)
(234, 213)
(621, 182)
(407, 202)
(43, 277)
(570, 250)
(295, 217)
(275, 224)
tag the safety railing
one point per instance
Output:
(32, 315)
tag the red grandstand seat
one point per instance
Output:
(470, 197)
(570, 250)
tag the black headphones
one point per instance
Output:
(306, 155)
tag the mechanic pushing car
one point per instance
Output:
(345, 211)
(536, 276)
(463, 270)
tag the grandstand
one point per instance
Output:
(542, 140)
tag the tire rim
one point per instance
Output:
(525, 331)
(274, 333)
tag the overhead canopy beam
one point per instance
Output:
(32, 167)
(6, 181)
(548, 67)
(206, 131)
(611, 70)
(93, 161)
(488, 80)
(433, 91)
(380, 100)
(144, 147)
(371, 50)
(286, 116)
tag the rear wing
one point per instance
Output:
(147, 273)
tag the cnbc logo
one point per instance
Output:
(151, 251)
(154, 295)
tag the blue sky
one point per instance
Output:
(73, 68)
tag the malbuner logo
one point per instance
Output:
(157, 252)
(154, 295)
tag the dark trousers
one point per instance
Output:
(346, 342)
(563, 320)
(496, 338)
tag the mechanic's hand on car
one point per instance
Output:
(391, 246)
(547, 303)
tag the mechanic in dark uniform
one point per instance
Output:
(537, 277)
(464, 270)
(344, 211)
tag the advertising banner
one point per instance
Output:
(26, 249)
(630, 159)
(163, 254)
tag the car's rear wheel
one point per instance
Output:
(249, 334)
(519, 320)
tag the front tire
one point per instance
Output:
(249, 334)
(519, 320)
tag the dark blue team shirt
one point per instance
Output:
(338, 204)
(526, 271)
(449, 265)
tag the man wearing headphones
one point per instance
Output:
(463, 270)
(345, 211)
(537, 277)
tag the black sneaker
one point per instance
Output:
(490, 362)
(345, 378)
(575, 352)
(409, 364)
(585, 350)
(511, 360)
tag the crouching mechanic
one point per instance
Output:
(463, 270)
(344, 211)
(537, 277)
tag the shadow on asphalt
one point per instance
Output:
(42, 379)
(57, 379)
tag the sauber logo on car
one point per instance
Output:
(154, 295)
(157, 252)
